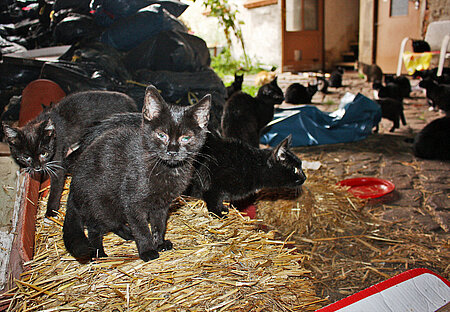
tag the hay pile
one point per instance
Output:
(216, 265)
(349, 247)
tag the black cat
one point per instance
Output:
(322, 85)
(236, 85)
(392, 109)
(42, 144)
(336, 75)
(390, 90)
(432, 74)
(438, 94)
(403, 83)
(244, 116)
(225, 168)
(228, 169)
(128, 176)
(433, 141)
(420, 46)
(372, 72)
(297, 93)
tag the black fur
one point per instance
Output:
(228, 169)
(433, 142)
(437, 94)
(322, 85)
(392, 109)
(402, 82)
(336, 78)
(299, 94)
(420, 46)
(42, 144)
(128, 176)
(225, 168)
(390, 90)
(236, 85)
(432, 74)
(245, 116)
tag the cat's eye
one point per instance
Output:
(162, 136)
(185, 138)
(44, 155)
(296, 170)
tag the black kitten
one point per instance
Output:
(245, 116)
(390, 90)
(371, 72)
(391, 109)
(420, 46)
(228, 169)
(402, 82)
(225, 168)
(299, 94)
(438, 94)
(236, 85)
(42, 144)
(322, 85)
(336, 78)
(128, 176)
(433, 142)
(432, 74)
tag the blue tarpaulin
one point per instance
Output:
(310, 126)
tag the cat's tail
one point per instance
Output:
(74, 238)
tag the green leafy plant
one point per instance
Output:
(224, 64)
(226, 14)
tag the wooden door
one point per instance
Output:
(302, 35)
(396, 19)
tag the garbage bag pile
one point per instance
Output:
(119, 45)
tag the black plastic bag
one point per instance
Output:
(185, 88)
(103, 56)
(108, 11)
(73, 28)
(78, 77)
(129, 32)
(170, 50)
(80, 5)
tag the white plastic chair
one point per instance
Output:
(438, 37)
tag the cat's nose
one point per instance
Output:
(302, 176)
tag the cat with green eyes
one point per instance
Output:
(41, 146)
(125, 177)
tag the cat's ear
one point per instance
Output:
(201, 111)
(153, 103)
(274, 81)
(49, 127)
(11, 133)
(279, 152)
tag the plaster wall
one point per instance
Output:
(366, 31)
(203, 26)
(262, 33)
(341, 28)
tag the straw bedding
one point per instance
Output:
(216, 265)
(349, 247)
(306, 249)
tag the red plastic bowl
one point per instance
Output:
(368, 187)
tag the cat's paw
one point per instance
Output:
(149, 255)
(166, 245)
